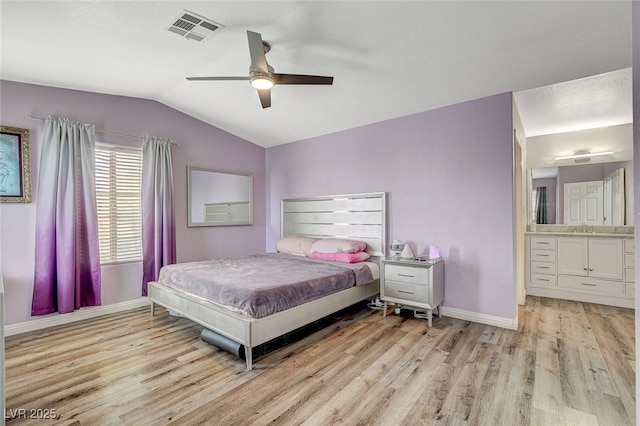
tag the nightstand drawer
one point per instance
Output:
(407, 291)
(407, 274)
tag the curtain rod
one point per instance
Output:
(105, 131)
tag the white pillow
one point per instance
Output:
(297, 245)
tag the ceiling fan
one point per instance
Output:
(261, 75)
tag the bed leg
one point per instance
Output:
(153, 309)
(249, 356)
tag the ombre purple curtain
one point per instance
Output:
(158, 213)
(67, 258)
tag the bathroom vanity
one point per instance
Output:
(595, 266)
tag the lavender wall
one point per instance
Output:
(200, 145)
(448, 176)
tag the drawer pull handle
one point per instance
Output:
(590, 285)
(406, 275)
(591, 269)
(584, 269)
(405, 291)
(542, 279)
(543, 255)
(542, 242)
(543, 267)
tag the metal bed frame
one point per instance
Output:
(356, 216)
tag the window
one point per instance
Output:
(119, 201)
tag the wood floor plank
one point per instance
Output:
(547, 390)
(468, 387)
(573, 382)
(312, 393)
(522, 377)
(550, 312)
(492, 405)
(399, 406)
(568, 363)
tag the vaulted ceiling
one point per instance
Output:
(388, 58)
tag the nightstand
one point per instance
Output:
(412, 283)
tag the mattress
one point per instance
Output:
(264, 284)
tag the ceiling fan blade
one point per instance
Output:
(216, 78)
(300, 79)
(256, 49)
(265, 98)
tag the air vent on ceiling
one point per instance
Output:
(193, 26)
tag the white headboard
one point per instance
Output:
(356, 216)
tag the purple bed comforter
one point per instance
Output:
(263, 284)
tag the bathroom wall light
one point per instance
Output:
(584, 155)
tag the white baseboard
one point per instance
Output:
(79, 315)
(510, 323)
(97, 311)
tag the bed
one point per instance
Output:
(354, 216)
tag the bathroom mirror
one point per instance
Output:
(219, 197)
(617, 194)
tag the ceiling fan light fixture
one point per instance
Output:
(261, 74)
(261, 81)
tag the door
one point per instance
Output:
(520, 220)
(584, 203)
(614, 206)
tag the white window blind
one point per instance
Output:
(119, 202)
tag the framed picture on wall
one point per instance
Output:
(15, 172)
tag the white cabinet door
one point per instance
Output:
(584, 203)
(606, 258)
(596, 257)
(573, 256)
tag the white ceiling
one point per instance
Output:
(588, 103)
(591, 114)
(389, 58)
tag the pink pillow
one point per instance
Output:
(341, 257)
(338, 245)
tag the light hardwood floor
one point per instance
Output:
(568, 363)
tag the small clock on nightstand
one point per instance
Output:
(412, 283)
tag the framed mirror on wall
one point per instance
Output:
(595, 194)
(219, 197)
